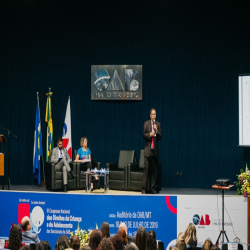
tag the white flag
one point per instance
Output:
(67, 142)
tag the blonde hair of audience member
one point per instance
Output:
(174, 248)
(123, 225)
(189, 233)
(207, 245)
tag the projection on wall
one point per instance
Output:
(116, 82)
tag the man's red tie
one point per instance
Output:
(153, 139)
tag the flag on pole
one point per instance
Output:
(48, 119)
(38, 149)
(67, 142)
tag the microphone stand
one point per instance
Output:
(9, 132)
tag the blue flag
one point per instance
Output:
(38, 151)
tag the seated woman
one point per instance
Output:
(189, 236)
(15, 238)
(84, 156)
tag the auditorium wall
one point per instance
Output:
(191, 59)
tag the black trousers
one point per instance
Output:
(150, 170)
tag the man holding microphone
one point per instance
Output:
(151, 135)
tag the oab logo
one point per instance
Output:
(203, 221)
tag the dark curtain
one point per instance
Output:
(191, 59)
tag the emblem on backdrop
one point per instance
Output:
(116, 82)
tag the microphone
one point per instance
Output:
(154, 124)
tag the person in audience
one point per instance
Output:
(105, 230)
(141, 238)
(27, 234)
(131, 239)
(62, 243)
(75, 242)
(117, 241)
(173, 248)
(181, 245)
(95, 239)
(151, 240)
(214, 247)
(122, 233)
(207, 245)
(189, 236)
(26, 247)
(85, 247)
(15, 238)
(43, 245)
(131, 246)
(106, 244)
(84, 156)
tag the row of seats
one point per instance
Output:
(126, 174)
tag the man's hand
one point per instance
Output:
(152, 134)
(155, 127)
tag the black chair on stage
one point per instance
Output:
(54, 179)
(81, 176)
(238, 245)
(118, 171)
(135, 175)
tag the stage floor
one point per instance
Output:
(164, 191)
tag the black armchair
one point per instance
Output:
(135, 175)
(81, 176)
(118, 171)
(54, 179)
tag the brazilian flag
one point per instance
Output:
(48, 119)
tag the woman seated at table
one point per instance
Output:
(84, 156)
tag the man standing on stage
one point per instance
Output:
(61, 157)
(151, 135)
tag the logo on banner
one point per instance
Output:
(201, 221)
(36, 216)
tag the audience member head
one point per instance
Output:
(181, 245)
(151, 241)
(207, 245)
(75, 242)
(117, 241)
(189, 233)
(106, 244)
(25, 223)
(26, 247)
(131, 246)
(122, 233)
(85, 247)
(141, 238)
(15, 237)
(105, 230)
(95, 239)
(123, 225)
(174, 248)
(62, 243)
(214, 247)
(43, 245)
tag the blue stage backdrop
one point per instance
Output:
(55, 214)
(191, 57)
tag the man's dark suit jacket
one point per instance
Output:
(147, 129)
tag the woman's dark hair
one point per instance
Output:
(141, 238)
(62, 243)
(106, 244)
(105, 230)
(151, 241)
(15, 237)
(43, 245)
(95, 239)
(117, 242)
(122, 233)
(75, 242)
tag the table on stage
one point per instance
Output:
(90, 174)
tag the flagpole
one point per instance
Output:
(43, 183)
